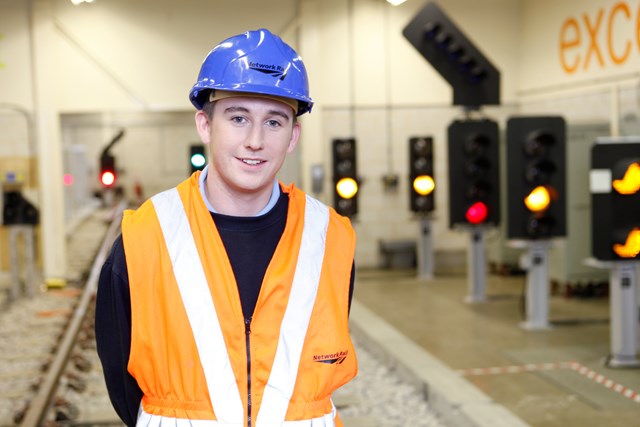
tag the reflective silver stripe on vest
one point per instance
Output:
(196, 297)
(295, 322)
(149, 420)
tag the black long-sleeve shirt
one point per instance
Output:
(249, 242)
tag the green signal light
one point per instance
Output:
(198, 160)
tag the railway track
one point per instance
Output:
(49, 371)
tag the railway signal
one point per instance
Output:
(615, 201)
(614, 181)
(108, 171)
(197, 157)
(474, 191)
(421, 189)
(345, 178)
(108, 174)
(474, 173)
(536, 195)
(474, 79)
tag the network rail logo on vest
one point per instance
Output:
(273, 70)
(332, 358)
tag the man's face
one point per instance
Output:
(248, 138)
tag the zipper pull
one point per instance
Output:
(247, 325)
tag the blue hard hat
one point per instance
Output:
(253, 62)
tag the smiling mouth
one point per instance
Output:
(252, 162)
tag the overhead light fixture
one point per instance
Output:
(396, 2)
(77, 2)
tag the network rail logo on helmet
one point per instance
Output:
(274, 70)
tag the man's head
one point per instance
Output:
(249, 138)
(249, 92)
(255, 63)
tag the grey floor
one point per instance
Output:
(547, 378)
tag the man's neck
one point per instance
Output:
(220, 199)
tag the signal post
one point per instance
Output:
(426, 265)
(422, 199)
(614, 182)
(476, 267)
(536, 204)
(474, 192)
(108, 170)
(474, 186)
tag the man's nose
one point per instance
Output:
(255, 138)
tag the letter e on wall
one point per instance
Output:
(569, 41)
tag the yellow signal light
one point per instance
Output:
(347, 188)
(538, 199)
(424, 185)
(631, 247)
(630, 182)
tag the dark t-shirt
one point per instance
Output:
(249, 242)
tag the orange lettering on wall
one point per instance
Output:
(566, 44)
(576, 52)
(593, 34)
(618, 59)
(1, 63)
(638, 29)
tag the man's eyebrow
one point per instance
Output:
(280, 114)
(237, 108)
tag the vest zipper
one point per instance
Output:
(247, 329)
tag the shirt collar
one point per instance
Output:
(275, 193)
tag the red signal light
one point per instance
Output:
(107, 178)
(477, 213)
(67, 179)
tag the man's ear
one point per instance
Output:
(295, 137)
(203, 126)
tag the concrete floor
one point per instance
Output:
(547, 378)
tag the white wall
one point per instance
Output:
(15, 58)
(600, 37)
(119, 58)
(601, 76)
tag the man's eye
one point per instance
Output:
(273, 123)
(238, 119)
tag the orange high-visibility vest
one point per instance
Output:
(192, 354)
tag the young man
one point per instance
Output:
(225, 300)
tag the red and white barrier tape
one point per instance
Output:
(575, 366)
(601, 379)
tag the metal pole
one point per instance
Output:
(476, 267)
(425, 250)
(14, 263)
(624, 315)
(29, 261)
(537, 286)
